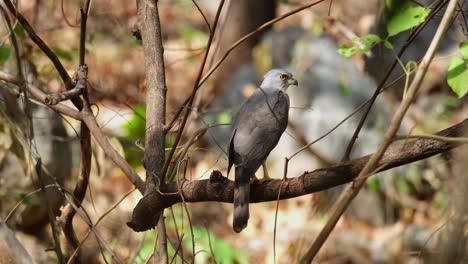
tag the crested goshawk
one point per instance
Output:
(257, 129)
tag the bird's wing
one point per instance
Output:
(259, 125)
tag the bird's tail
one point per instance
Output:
(241, 199)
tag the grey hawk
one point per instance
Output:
(257, 129)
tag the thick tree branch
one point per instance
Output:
(151, 36)
(150, 27)
(219, 188)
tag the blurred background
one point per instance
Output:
(402, 216)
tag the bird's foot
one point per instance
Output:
(254, 179)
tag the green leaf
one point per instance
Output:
(388, 44)
(135, 129)
(137, 125)
(406, 16)
(360, 45)
(346, 50)
(457, 72)
(4, 54)
(464, 49)
(19, 31)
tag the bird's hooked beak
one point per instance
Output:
(293, 81)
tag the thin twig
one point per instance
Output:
(79, 192)
(251, 34)
(194, 90)
(203, 15)
(184, 205)
(26, 197)
(53, 224)
(41, 44)
(285, 178)
(209, 244)
(74, 254)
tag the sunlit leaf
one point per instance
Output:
(360, 45)
(406, 16)
(388, 44)
(457, 72)
(136, 126)
(135, 129)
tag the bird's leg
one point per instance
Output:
(266, 176)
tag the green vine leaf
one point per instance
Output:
(406, 16)
(457, 72)
(360, 45)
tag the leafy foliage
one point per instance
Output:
(360, 45)
(457, 73)
(135, 129)
(406, 16)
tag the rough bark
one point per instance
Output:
(219, 188)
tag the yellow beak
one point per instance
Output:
(293, 81)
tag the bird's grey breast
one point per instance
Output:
(259, 124)
(265, 109)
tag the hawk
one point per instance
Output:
(257, 129)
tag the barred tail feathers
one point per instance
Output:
(241, 199)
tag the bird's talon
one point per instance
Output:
(254, 180)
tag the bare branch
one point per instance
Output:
(151, 35)
(53, 224)
(80, 87)
(91, 122)
(41, 44)
(221, 189)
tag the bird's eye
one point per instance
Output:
(283, 77)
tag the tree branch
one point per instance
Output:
(221, 189)
(154, 157)
(47, 51)
(150, 28)
(90, 121)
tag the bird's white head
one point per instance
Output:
(279, 79)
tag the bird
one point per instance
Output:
(257, 128)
